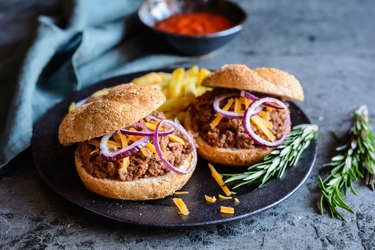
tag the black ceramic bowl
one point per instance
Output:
(152, 11)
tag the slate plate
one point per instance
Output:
(55, 164)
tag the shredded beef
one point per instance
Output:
(140, 166)
(229, 133)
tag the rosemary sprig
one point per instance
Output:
(352, 160)
(274, 164)
(346, 169)
(366, 142)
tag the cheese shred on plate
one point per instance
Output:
(226, 210)
(222, 197)
(180, 204)
(219, 179)
(210, 199)
(181, 192)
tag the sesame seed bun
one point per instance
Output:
(262, 80)
(150, 188)
(124, 105)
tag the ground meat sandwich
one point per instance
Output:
(245, 116)
(127, 150)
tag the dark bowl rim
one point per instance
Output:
(238, 27)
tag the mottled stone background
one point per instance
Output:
(328, 45)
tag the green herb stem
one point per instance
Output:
(285, 155)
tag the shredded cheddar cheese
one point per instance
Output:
(268, 124)
(125, 163)
(237, 105)
(113, 144)
(226, 210)
(247, 102)
(133, 138)
(151, 147)
(269, 109)
(236, 200)
(259, 122)
(123, 139)
(222, 197)
(181, 206)
(151, 125)
(219, 179)
(265, 115)
(175, 138)
(210, 199)
(218, 117)
(146, 152)
(181, 192)
(124, 143)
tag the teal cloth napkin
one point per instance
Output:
(99, 39)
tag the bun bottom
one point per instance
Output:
(227, 156)
(231, 157)
(139, 190)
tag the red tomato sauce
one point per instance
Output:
(195, 23)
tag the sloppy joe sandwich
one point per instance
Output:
(127, 150)
(245, 116)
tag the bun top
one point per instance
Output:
(263, 80)
(124, 105)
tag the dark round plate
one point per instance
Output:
(55, 164)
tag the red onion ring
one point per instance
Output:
(250, 111)
(154, 118)
(146, 132)
(247, 95)
(225, 113)
(254, 98)
(125, 152)
(177, 127)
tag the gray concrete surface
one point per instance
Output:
(330, 47)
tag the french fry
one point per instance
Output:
(193, 71)
(180, 87)
(202, 74)
(189, 85)
(175, 86)
(149, 79)
(166, 79)
(175, 104)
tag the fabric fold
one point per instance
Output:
(94, 41)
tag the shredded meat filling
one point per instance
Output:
(229, 133)
(140, 166)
